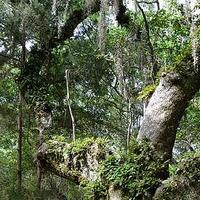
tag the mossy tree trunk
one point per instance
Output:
(167, 106)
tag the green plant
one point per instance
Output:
(94, 190)
(146, 92)
(136, 173)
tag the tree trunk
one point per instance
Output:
(169, 101)
(44, 120)
(20, 138)
(20, 120)
(166, 107)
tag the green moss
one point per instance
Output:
(82, 145)
(146, 92)
(79, 145)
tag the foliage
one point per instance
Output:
(184, 183)
(146, 92)
(94, 190)
(137, 173)
(187, 138)
(98, 107)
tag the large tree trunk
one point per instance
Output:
(166, 107)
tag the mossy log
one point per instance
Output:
(77, 161)
(80, 161)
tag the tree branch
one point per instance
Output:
(75, 18)
(152, 54)
(69, 104)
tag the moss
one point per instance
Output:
(82, 145)
(146, 92)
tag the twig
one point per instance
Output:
(69, 105)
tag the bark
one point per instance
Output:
(44, 120)
(19, 142)
(77, 165)
(167, 106)
(102, 29)
(75, 17)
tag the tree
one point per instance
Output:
(113, 75)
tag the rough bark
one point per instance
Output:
(77, 164)
(59, 158)
(44, 120)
